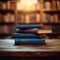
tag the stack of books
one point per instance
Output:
(27, 34)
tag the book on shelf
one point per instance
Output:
(38, 6)
(25, 35)
(58, 4)
(0, 5)
(11, 5)
(47, 4)
(1, 29)
(20, 18)
(58, 16)
(33, 17)
(50, 18)
(12, 18)
(7, 17)
(11, 28)
(7, 29)
(24, 26)
(1, 17)
(4, 5)
(38, 18)
(55, 18)
(27, 18)
(41, 31)
(30, 41)
(47, 18)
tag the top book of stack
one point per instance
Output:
(24, 26)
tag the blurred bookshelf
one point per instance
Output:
(7, 17)
(46, 12)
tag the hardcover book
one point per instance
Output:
(33, 17)
(24, 26)
(25, 35)
(47, 5)
(31, 30)
(30, 41)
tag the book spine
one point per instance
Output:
(30, 41)
(29, 26)
(25, 35)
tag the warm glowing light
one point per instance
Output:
(26, 5)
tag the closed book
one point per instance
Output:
(47, 5)
(31, 41)
(41, 31)
(33, 17)
(11, 29)
(32, 30)
(23, 26)
(24, 35)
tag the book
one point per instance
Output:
(47, 18)
(1, 17)
(58, 4)
(7, 17)
(12, 18)
(58, 17)
(52, 18)
(24, 26)
(32, 30)
(5, 29)
(4, 6)
(55, 18)
(20, 18)
(30, 41)
(27, 18)
(38, 18)
(11, 28)
(41, 31)
(33, 17)
(47, 5)
(1, 29)
(11, 5)
(0, 5)
(25, 35)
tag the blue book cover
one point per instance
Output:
(25, 35)
(11, 29)
(24, 26)
(30, 41)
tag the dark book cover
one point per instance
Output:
(30, 41)
(25, 35)
(24, 26)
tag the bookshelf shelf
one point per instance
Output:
(3, 23)
(51, 23)
(7, 10)
(52, 10)
(23, 12)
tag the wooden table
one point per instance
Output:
(52, 48)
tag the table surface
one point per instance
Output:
(52, 47)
